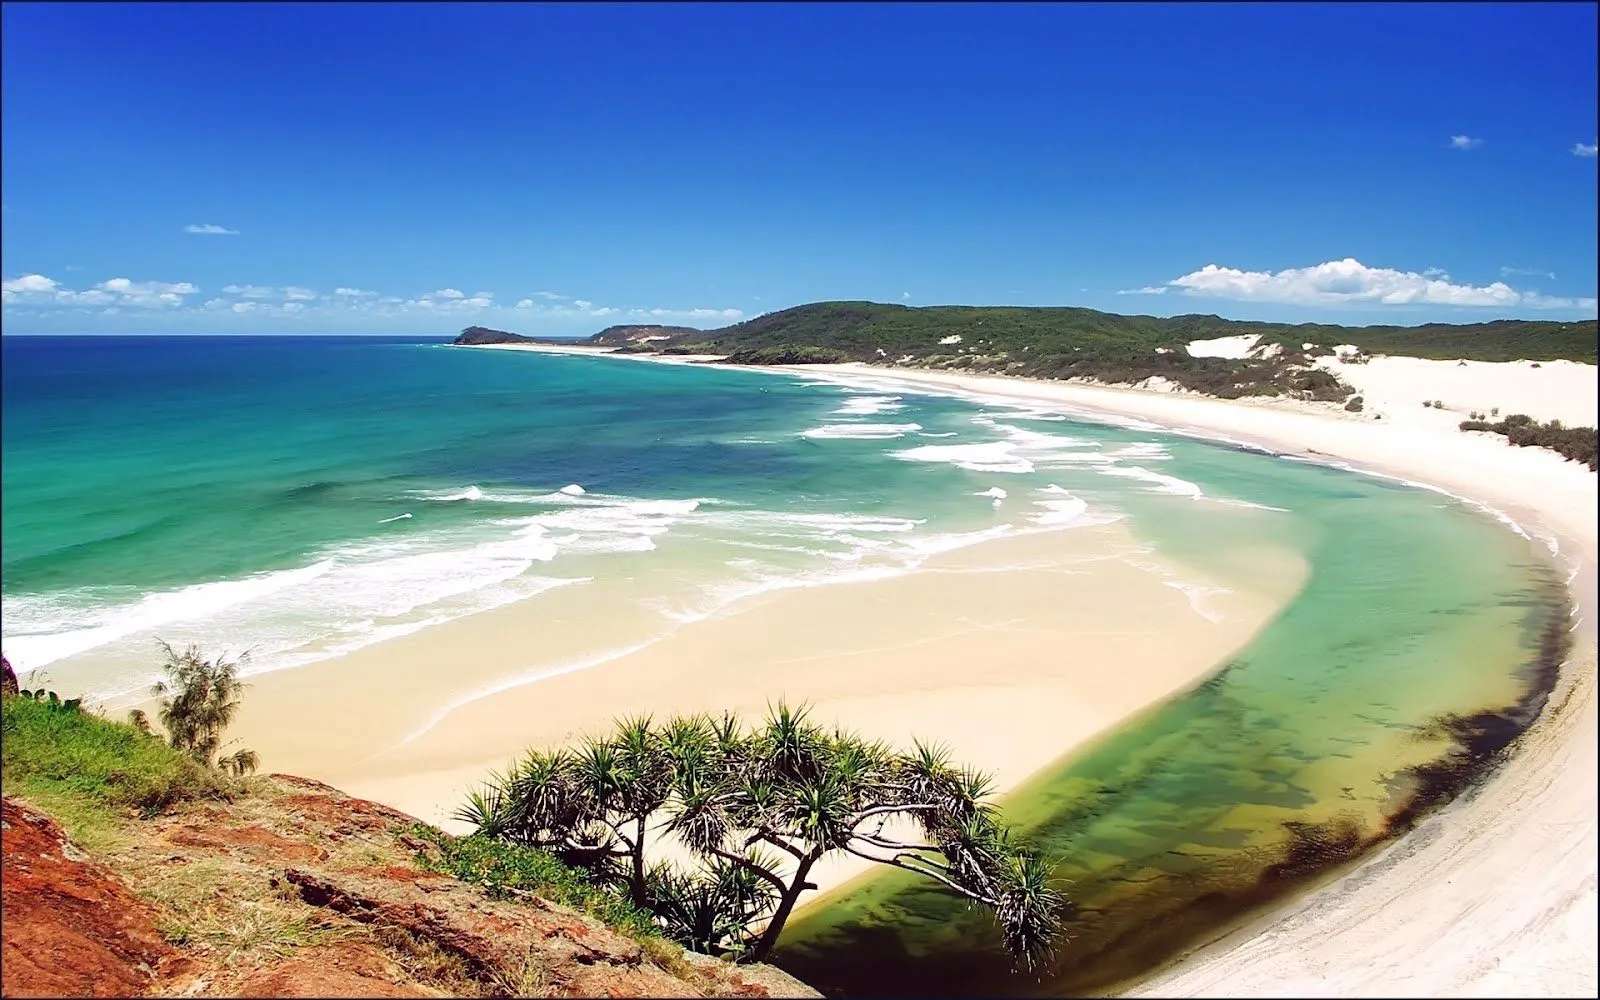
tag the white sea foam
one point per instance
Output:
(1162, 483)
(572, 490)
(994, 456)
(866, 406)
(397, 517)
(995, 493)
(1060, 507)
(39, 638)
(859, 432)
(1159, 482)
(470, 493)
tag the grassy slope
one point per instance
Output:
(97, 776)
(93, 773)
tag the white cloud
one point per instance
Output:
(1580, 149)
(293, 307)
(1441, 273)
(353, 293)
(36, 289)
(1464, 142)
(1539, 301)
(1350, 282)
(448, 293)
(1525, 272)
(210, 230)
(250, 291)
(244, 307)
(525, 303)
(551, 296)
(28, 284)
(582, 304)
(905, 296)
(1146, 290)
(294, 294)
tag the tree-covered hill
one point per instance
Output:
(1066, 342)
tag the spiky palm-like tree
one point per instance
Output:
(199, 700)
(759, 807)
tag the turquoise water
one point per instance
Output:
(301, 497)
(304, 496)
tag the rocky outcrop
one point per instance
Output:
(474, 336)
(300, 890)
(71, 927)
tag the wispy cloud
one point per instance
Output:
(1464, 142)
(1586, 149)
(37, 289)
(1146, 290)
(209, 229)
(1525, 272)
(905, 296)
(1350, 282)
(240, 299)
(450, 300)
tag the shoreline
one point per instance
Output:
(897, 660)
(1494, 893)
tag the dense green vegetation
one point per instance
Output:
(757, 808)
(69, 760)
(1576, 444)
(1065, 342)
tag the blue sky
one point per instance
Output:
(552, 169)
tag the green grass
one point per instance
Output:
(87, 769)
(504, 870)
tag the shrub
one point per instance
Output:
(199, 699)
(1576, 444)
(1355, 405)
(508, 870)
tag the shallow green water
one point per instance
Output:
(1305, 749)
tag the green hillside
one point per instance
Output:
(1065, 342)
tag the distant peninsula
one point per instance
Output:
(1061, 342)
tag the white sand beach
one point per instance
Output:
(1496, 894)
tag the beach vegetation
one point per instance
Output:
(76, 763)
(757, 808)
(1576, 444)
(198, 701)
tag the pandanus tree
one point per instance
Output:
(199, 699)
(757, 808)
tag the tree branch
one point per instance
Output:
(752, 866)
(867, 814)
(895, 862)
(772, 838)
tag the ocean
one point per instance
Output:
(301, 497)
(298, 497)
